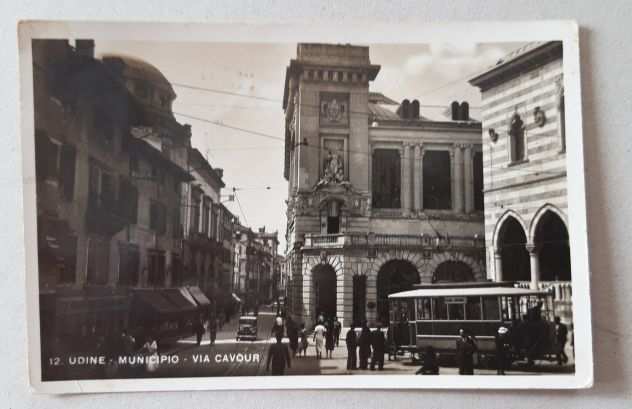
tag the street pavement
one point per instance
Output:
(229, 357)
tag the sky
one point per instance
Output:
(435, 74)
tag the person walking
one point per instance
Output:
(277, 328)
(352, 355)
(303, 341)
(330, 340)
(337, 330)
(378, 343)
(561, 335)
(198, 327)
(212, 329)
(365, 346)
(503, 345)
(319, 339)
(278, 357)
(465, 349)
(292, 334)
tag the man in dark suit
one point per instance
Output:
(561, 335)
(352, 345)
(378, 343)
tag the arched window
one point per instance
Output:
(517, 138)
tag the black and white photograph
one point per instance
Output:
(305, 206)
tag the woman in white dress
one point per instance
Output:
(151, 349)
(319, 339)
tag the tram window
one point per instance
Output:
(456, 311)
(490, 308)
(423, 309)
(439, 310)
(473, 308)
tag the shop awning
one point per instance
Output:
(175, 296)
(199, 296)
(156, 301)
(236, 298)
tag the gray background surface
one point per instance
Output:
(606, 30)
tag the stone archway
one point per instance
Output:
(393, 276)
(550, 238)
(324, 288)
(511, 243)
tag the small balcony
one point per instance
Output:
(340, 240)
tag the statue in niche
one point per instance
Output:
(333, 171)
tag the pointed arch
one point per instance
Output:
(535, 220)
(509, 213)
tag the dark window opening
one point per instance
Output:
(477, 164)
(394, 276)
(333, 225)
(156, 267)
(551, 239)
(68, 267)
(386, 179)
(452, 272)
(517, 138)
(359, 300)
(157, 217)
(98, 260)
(437, 184)
(129, 265)
(176, 270)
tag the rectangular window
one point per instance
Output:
(359, 299)
(437, 180)
(98, 260)
(128, 200)
(477, 171)
(473, 309)
(439, 309)
(129, 264)
(386, 177)
(490, 309)
(157, 217)
(424, 309)
(176, 270)
(205, 215)
(195, 212)
(156, 267)
(456, 312)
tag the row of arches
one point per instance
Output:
(545, 244)
(393, 276)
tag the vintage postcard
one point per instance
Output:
(239, 206)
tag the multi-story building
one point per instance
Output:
(380, 196)
(104, 196)
(525, 180)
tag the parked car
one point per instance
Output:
(247, 327)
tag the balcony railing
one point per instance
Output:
(389, 240)
(562, 290)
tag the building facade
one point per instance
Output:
(526, 207)
(380, 196)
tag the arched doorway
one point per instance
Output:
(452, 272)
(324, 282)
(511, 244)
(551, 240)
(394, 276)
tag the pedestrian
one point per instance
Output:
(278, 357)
(277, 327)
(319, 339)
(198, 327)
(151, 354)
(561, 335)
(292, 334)
(128, 343)
(212, 329)
(378, 343)
(303, 341)
(465, 349)
(352, 355)
(365, 346)
(337, 330)
(330, 340)
(429, 365)
(503, 350)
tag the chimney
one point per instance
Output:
(464, 111)
(454, 106)
(404, 109)
(85, 48)
(414, 109)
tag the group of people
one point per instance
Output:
(200, 326)
(369, 344)
(327, 335)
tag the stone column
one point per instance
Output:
(417, 178)
(458, 179)
(498, 265)
(469, 179)
(405, 163)
(453, 171)
(535, 265)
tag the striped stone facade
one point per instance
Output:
(525, 89)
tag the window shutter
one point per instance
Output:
(67, 170)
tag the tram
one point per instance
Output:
(432, 315)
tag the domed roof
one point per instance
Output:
(133, 68)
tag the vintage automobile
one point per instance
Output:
(433, 314)
(247, 328)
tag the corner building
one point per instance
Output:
(380, 196)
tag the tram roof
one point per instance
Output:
(472, 291)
